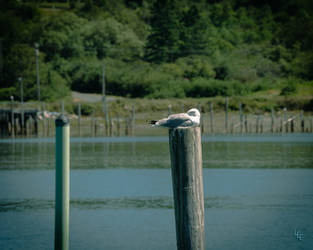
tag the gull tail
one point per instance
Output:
(152, 122)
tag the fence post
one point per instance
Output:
(211, 117)
(92, 123)
(292, 125)
(62, 150)
(44, 122)
(246, 124)
(36, 124)
(286, 120)
(281, 123)
(201, 119)
(272, 121)
(226, 114)
(110, 126)
(302, 122)
(241, 117)
(96, 126)
(257, 124)
(62, 107)
(79, 118)
(169, 109)
(118, 127)
(186, 164)
(12, 117)
(126, 126)
(132, 120)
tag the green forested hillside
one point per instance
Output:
(157, 49)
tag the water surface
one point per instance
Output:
(258, 193)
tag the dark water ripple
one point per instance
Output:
(224, 202)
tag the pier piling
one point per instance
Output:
(186, 163)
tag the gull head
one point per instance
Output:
(194, 112)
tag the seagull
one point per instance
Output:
(181, 120)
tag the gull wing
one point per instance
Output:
(175, 120)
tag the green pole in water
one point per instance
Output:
(61, 241)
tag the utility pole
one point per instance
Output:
(1, 60)
(37, 70)
(104, 107)
(20, 79)
(103, 89)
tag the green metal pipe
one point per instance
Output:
(62, 192)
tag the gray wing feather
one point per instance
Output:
(176, 120)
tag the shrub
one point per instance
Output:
(288, 89)
(85, 109)
(6, 93)
(201, 87)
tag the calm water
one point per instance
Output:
(258, 191)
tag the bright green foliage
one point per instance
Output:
(110, 38)
(60, 36)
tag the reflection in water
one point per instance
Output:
(221, 202)
(221, 153)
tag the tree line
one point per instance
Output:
(156, 49)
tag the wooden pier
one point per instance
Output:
(18, 122)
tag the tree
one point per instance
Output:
(193, 32)
(163, 42)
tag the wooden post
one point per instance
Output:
(12, 118)
(37, 70)
(201, 118)
(272, 121)
(286, 120)
(44, 123)
(246, 123)
(62, 194)
(182, 108)
(261, 123)
(103, 90)
(302, 122)
(132, 120)
(241, 117)
(62, 107)
(30, 126)
(186, 164)
(226, 114)
(211, 118)
(1, 116)
(232, 127)
(96, 126)
(79, 119)
(106, 120)
(92, 122)
(22, 107)
(257, 124)
(126, 126)
(110, 126)
(292, 125)
(36, 124)
(48, 126)
(281, 123)
(118, 127)
(169, 109)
